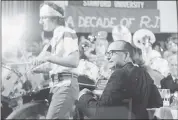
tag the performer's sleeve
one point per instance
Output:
(70, 43)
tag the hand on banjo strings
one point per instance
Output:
(37, 61)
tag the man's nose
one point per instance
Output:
(40, 21)
(108, 58)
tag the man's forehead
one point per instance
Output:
(116, 46)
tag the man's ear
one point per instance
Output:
(127, 56)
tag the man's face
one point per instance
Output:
(172, 44)
(116, 57)
(47, 23)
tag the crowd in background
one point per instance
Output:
(132, 66)
(160, 56)
(162, 63)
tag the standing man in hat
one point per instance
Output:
(59, 57)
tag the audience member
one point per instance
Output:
(138, 60)
(172, 45)
(121, 32)
(157, 46)
(173, 60)
(124, 83)
(144, 40)
(86, 68)
(101, 43)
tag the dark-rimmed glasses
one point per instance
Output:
(112, 52)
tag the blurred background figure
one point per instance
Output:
(121, 32)
(87, 49)
(144, 40)
(92, 38)
(171, 45)
(160, 66)
(87, 70)
(138, 60)
(157, 46)
(145, 56)
(101, 48)
(171, 56)
(12, 30)
(101, 43)
(173, 60)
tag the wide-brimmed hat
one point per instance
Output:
(140, 37)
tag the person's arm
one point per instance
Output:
(70, 56)
(66, 55)
(43, 52)
(71, 60)
(43, 68)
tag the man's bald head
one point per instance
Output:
(121, 45)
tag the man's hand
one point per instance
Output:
(39, 61)
(39, 69)
(84, 91)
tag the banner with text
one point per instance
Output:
(116, 4)
(87, 19)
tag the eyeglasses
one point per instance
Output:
(112, 52)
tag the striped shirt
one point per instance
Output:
(63, 43)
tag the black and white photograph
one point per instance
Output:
(89, 59)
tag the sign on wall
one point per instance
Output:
(116, 4)
(89, 19)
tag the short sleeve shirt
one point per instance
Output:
(63, 43)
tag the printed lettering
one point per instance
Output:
(91, 21)
(130, 4)
(105, 3)
(130, 22)
(70, 21)
(145, 20)
(91, 3)
(124, 22)
(87, 21)
(99, 22)
(81, 21)
(142, 4)
(157, 23)
(112, 22)
(84, 3)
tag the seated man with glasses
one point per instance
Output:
(123, 83)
